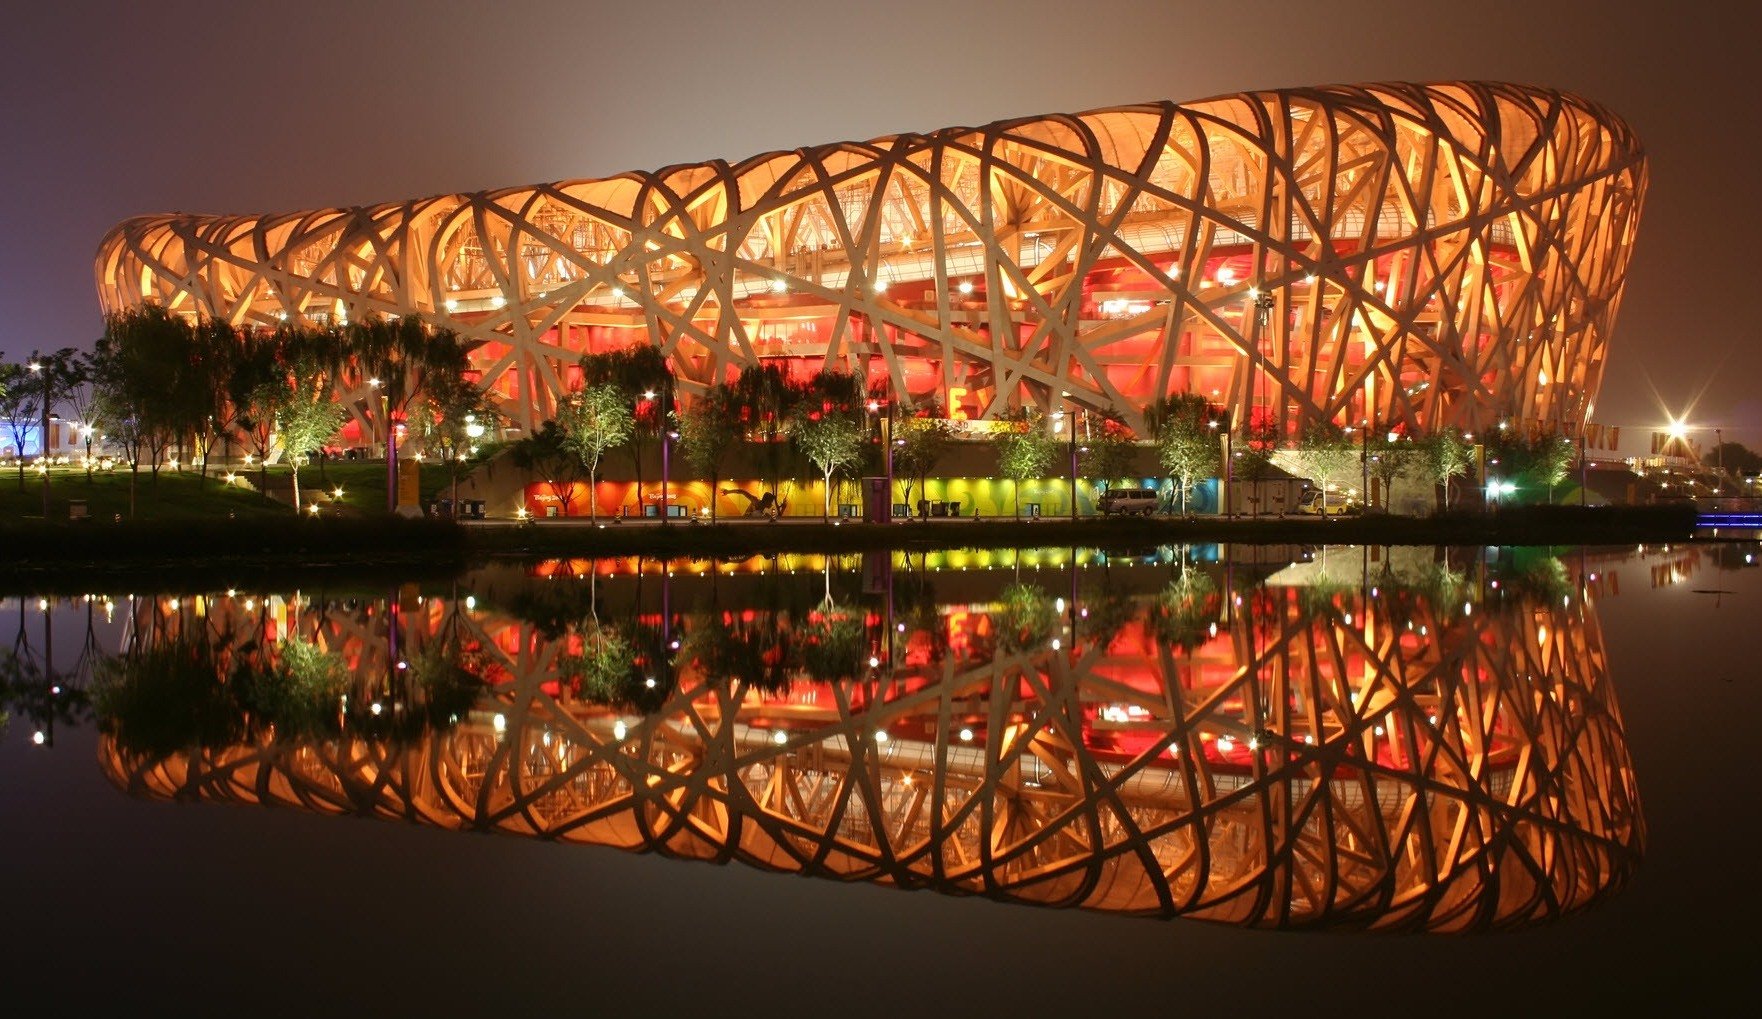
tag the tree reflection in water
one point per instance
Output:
(1325, 754)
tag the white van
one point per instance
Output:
(1126, 501)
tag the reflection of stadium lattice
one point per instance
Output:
(1321, 759)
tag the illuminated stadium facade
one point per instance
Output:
(1403, 255)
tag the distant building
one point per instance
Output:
(64, 440)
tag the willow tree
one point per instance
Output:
(765, 395)
(407, 359)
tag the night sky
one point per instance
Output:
(120, 109)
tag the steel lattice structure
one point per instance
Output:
(1316, 760)
(1447, 254)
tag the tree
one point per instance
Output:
(707, 430)
(139, 368)
(1024, 617)
(1260, 440)
(1530, 463)
(642, 374)
(766, 396)
(255, 389)
(220, 349)
(81, 398)
(1184, 428)
(827, 425)
(1108, 450)
(1447, 455)
(306, 412)
(593, 421)
(18, 406)
(408, 359)
(453, 420)
(1024, 450)
(1326, 451)
(548, 454)
(1390, 458)
(920, 442)
(1736, 458)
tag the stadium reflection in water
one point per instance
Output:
(1358, 743)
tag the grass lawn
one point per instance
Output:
(185, 495)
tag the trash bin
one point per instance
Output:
(76, 509)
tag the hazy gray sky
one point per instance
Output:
(118, 109)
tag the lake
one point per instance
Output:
(1328, 778)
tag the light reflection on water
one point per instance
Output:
(1337, 738)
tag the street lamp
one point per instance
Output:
(1068, 421)
(46, 380)
(1228, 477)
(667, 435)
(391, 445)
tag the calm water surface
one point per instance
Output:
(1342, 773)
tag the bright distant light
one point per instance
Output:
(1678, 429)
(780, 737)
(880, 735)
(966, 735)
(966, 286)
(779, 286)
(619, 729)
